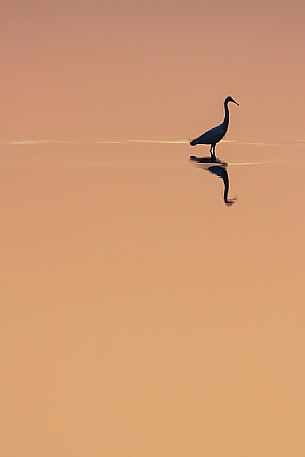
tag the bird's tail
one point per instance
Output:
(193, 143)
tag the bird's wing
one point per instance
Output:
(213, 135)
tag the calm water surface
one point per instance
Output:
(140, 314)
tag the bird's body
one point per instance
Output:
(216, 134)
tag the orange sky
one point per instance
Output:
(140, 316)
(121, 69)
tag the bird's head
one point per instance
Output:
(230, 99)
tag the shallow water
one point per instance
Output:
(136, 305)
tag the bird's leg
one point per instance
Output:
(211, 151)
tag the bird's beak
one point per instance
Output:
(235, 102)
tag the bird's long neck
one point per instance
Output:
(226, 118)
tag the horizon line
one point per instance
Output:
(28, 141)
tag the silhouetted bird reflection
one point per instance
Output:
(218, 168)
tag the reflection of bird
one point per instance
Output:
(218, 168)
(214, 135)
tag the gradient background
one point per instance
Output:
(139, 315)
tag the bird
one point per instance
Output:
(216, 134)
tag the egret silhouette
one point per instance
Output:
(216, 134)
(218, 168)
